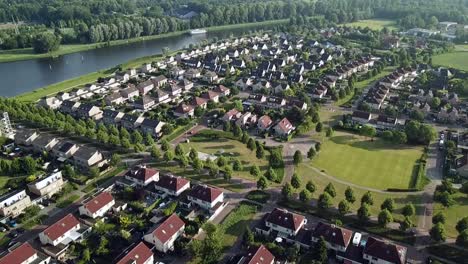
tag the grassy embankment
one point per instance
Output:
(458, 59)
(374, 24)
(28, 53)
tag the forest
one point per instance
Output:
(93, 21)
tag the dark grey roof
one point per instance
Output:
(85, 152)
(66, 146)
(107, 113)
(150, 123)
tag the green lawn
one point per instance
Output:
(64, 202)
(374, 24)
(235, 224)
(306, 174)
(454, 213)
(457, 60)
(229, 148)
(375, 164)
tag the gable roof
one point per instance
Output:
(85, 152)
(265, 121)
(259, 255)
(286, 219)
(138, 255)
(284, 125)
(168, 228)
(385, 251)
(172, 183)
(142, 173)
(19, 254)
(60, 227)
(99, 202)
(362, 114)
(333, 234)
(205, 193)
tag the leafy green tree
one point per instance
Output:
(197, 165)
(169, 156)
(311, 153)
(406, 224)
(305, 196)
(228, 173)
(214, 171)
(439, 218)
(321, 251)
(155, 152)
(115, 159)
(260, 153)
(262, 183)
(149, 139)
(330, 189)
(296, 181)
(222, 161)
(363, 212)
(388, 204)
(251, 144)
(94, 172)
(329, 132)
(367, 198)
(385, 218)
(408, 210)
(248, 236)
(349, 194)
(237, 165)
(319, 127)
(193, 154)
(462, 238)
(368, 131)
(179, 151)
(318, 146)
(237, 131)
(324, 201)
(310, 186)
(343, 207)
(46, 42)
(165, 146)
(438, 232)
(462, 224)
(287, 191)
(254, 171)
(137, 138)
(297, 158)
(183, 160)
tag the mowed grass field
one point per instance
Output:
(376, 164)
(454, 213)
(374, 24)
(457, 60)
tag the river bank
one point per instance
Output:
(28, 53)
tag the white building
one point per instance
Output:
(47, 186)
(63, 231)
(172, 185)
(164, 236)
(14, 203)
(97, 206)
(205, 196)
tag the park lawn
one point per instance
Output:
(230, 149)
(374, 24)
(235, 224)
(453, 213)
(306, 173)
(175, 169)
(457, 60)
(375, 164)
(3, 181)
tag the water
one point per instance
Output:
(24, 76)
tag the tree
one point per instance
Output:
(287, 191)
(169, 156)
(363, 213)
(437, 232)
(385, 218)
(297, 157)
(237, 130)
(406, 224)
(438, 218)
(319, 127)
(310, 186)
(262, 183)
(165, 144)
(324, 201)
(462, 224)
(318, 146)
(368, 131)
(349, 194)
(329, 132)
(46, 42)
(197, 165)
(183, 160)
(367, 198)
(330, 189)
(214, 170)
(388, 204)
(251, 144)
(311, 153)
(462, 238)
(209, 250)
(179, 151)
(149, 139)
(343, 207)
(115, 159)
(237, 166)
(155, 152)
(227, 173)
(260, 153)
(271, 175)
(193, 154)
(137, 137)
(305, 196)
(94, 172)
(408, 210)
(296, 181)
(321, 251)
(29, 165)
(254, 171)
(248, 236)
(222, 161)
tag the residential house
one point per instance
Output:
(26, 137)
(50, 102)
(284, 223)
(162, 96)
(140, 254)
(257, 98)
(361, 117)
(164, 236)
(262, 84)
(172, 185)
(283, 128)
(152, 127)
(184, 111)
(14, 203)
(63, 231)
(24, 254)
(210, 95)
(44, 143)
(185, 84)
(390, 42)
(210, 77)
(142, 176)
(206, 197)
(176, 72)
(131, 122)
(245, 119)
(377, 252)
(175, 90)
(97, 206)
(64, 150)
(264, 123)
(275, 102)
(231, 115)
(69, 107)
(114, 98)
(145, 87)
(146, 68)
(238, 63)
(222, 90)
(192, 74)
(159, 81)
(86, 157)
(130, 92)
(144, 103)
(336, 238)
(244, 83)
(111, 117)
(87, 111)
(280, 87)
(62, 96)
(47, 186)
(386, 122)
(198, 102)
(254, 255)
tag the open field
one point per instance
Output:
(306, 173)
(231, 149)
(235, 224)
(375, 164)
(374, 24)
(454, 213)
(457, 60)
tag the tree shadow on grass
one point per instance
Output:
(224, 147)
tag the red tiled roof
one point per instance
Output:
(221, 89)
(198, 101)
(285, 219)
(168, 228)
(61, 227)
(385, 251)
(19, 254)
(265, 121)
(171, 182)
(98, 202)
(333, 234)
(259, 255)
(232, 112)
(285, 125)
(142, 173)
(183, 108)
(137, 255)
(210, 95)
(205, 193)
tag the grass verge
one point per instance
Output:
(258, 196)
(67, 201)
(447, 252)
(235, 224)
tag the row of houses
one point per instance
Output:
(188, 109)
(348, 246)
(381, 122)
